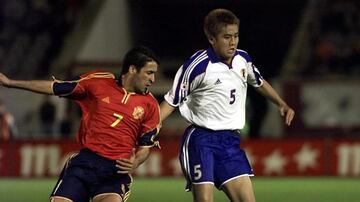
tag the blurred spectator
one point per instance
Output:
(47, 117)
(8, 129)
(66, 125)
(65, 128)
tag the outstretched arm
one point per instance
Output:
(44, 87)
(268, 91)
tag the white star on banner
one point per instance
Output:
(306, 157)
(274, 163)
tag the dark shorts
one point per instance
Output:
(212, 157)
(86, 175)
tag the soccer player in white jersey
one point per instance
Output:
(210, 91)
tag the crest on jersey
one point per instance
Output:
(138, 112)
(106, 100)
(243, 73)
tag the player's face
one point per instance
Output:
(225, 42)
(145, 77)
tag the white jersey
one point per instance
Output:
(212, 94)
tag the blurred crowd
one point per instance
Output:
(335, 40)
(32, 33)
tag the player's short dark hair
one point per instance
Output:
(218, 18)
(138, 57)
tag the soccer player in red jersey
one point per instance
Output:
(120, 120)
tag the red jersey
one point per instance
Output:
(113, 120)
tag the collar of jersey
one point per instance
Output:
(214, 58)
(212, 55)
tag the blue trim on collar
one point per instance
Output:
(244, 54)
(212, 55)
(215, 58)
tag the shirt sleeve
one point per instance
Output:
(72, 88)
(176, 93)
(150, 126)
(78, 87)
(187, 79)
(254, 77)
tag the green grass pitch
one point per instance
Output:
(325, 189)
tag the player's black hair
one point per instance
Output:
(218, 18)
(138, 57)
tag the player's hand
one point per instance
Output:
(288, 113)
(4, 80)
(126, 166)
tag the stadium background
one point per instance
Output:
(309, 50)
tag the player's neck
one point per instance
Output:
(126, 83)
